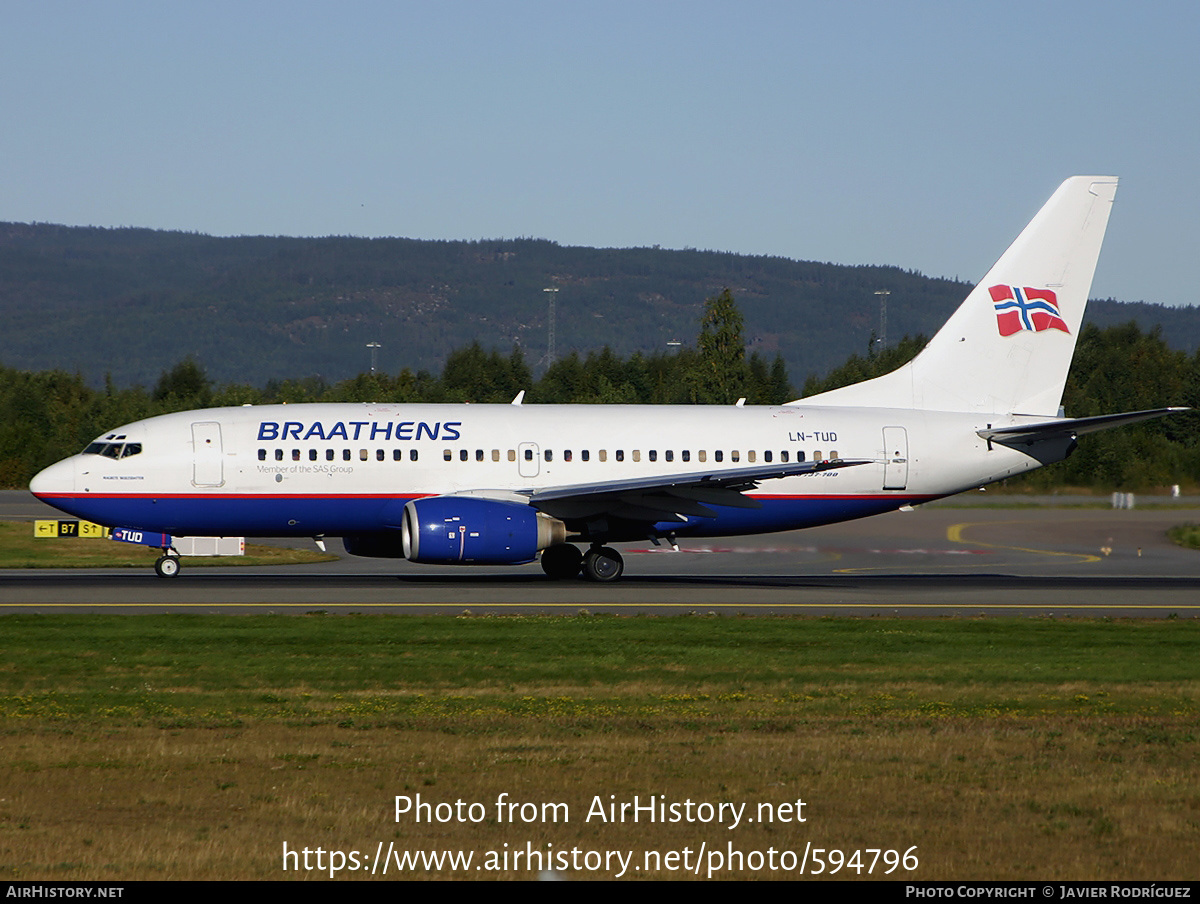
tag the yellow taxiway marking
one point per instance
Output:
(954, 534)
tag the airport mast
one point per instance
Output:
(553, 293)
(883, 297)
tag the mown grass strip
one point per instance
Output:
(194, 746)
(185, 667)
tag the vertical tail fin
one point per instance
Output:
(1008, 347)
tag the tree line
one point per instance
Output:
(48, 415)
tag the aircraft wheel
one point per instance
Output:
(167, 566)
(603, 564)
(562, 561)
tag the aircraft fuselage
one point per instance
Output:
(334, 469)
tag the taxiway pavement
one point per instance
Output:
(942, 559)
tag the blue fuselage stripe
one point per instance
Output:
(303, 516)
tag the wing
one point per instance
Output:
(669, 497)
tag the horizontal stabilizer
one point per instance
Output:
(1028, 434)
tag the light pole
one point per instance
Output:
(553, 293)
(374, 347)
(883, 297)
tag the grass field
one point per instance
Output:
(1186, 535)
(167, 747)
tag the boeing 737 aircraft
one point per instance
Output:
(510, 484)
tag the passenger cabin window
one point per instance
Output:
(262, 454)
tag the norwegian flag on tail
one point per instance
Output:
(1026, 309)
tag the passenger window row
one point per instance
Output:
(718, 455)
(347, 455)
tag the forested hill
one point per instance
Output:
(133, 302)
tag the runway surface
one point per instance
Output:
(942, 559)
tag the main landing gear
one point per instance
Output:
(562, 561)
(600, 563)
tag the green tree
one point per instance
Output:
(858, 368)
(563, 382)
(473, 375)
(779, 388)
(722, 360)
(185, 385)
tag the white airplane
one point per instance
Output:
(511, 484)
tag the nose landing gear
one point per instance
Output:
(167, 565)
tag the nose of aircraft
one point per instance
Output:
(58, 478)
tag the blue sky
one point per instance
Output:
(919, 134)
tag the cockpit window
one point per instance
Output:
(113, 450)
